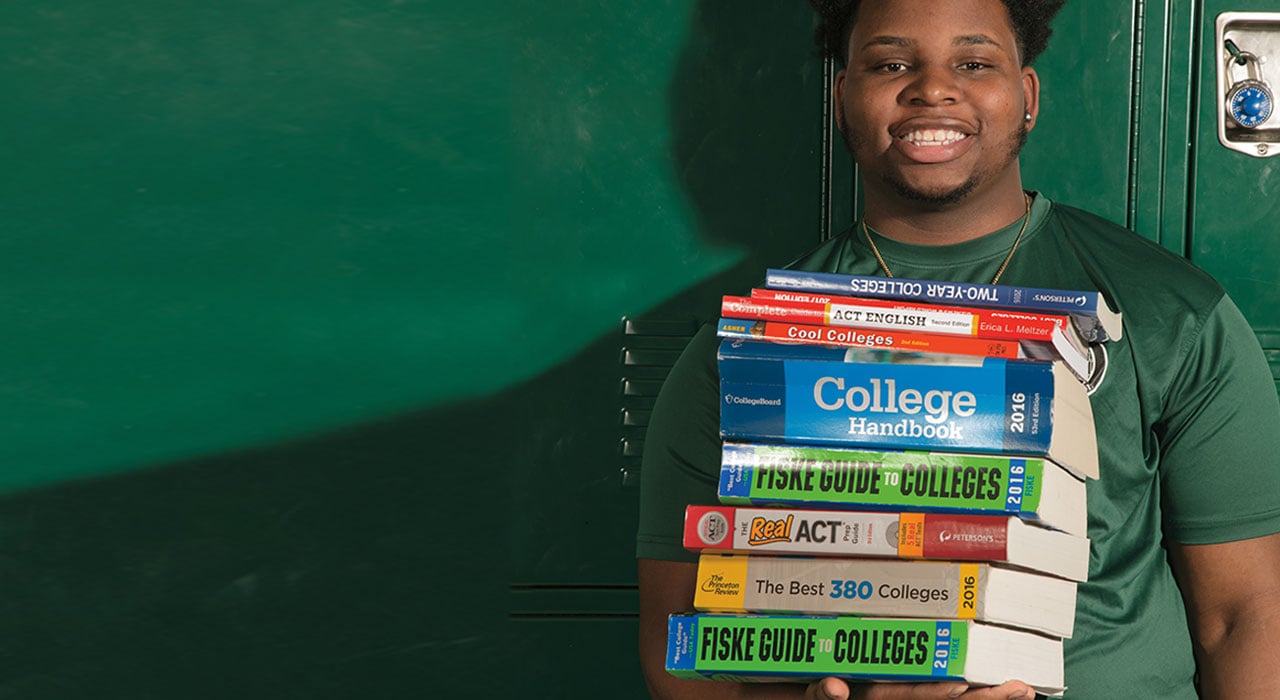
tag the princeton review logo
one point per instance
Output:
(715, 584)
(713, 527)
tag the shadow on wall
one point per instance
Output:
(376, 562)
(321, 569)
(746, 121)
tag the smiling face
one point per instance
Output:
(932, 104)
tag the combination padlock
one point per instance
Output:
(1249, 101)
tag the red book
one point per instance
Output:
(941, 536)
(844, 336)
(772, 304)
(1053, 337)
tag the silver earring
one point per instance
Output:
(1027, 117)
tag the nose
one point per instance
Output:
(934, 84)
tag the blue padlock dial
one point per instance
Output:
(1250, 106)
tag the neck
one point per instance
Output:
(908, 221)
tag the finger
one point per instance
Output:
(1011, 690)
(827, 689)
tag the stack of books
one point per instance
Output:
(902, 485)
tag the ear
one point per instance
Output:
(1031, 95)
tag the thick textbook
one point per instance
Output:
(902, 341)
(789, 647)
(1052, 335)
(886, 588)
(1093, 317)
(909, 535)
(1081, 361)
(894, 315)
(811, 394)
(830, 477)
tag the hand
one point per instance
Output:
(836, 689)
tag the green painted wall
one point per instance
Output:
(314, 363)
(225, 224)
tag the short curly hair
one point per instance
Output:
(1030, 19)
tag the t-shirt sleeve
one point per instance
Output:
(681, 461)
(1220, 437)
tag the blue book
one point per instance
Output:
(817, 395)
(1094, 319)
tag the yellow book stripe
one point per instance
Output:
(967, 605)
(722, 582)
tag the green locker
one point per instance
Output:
(1235, 197)
(332, 328)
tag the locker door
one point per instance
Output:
(1235, 198)
(662, 153)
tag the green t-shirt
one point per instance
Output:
(1187, 417)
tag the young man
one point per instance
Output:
(934, 103)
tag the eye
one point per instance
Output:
(890, 67)
(974, 66)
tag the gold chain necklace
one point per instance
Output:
(1026, 219)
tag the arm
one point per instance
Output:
(1232, 593)
(1220, 480)
(667, 587)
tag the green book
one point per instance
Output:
(802, 649)
(1031, 488)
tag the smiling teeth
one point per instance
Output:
(933, 137)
